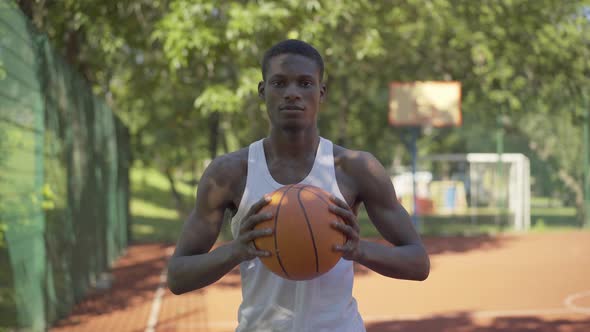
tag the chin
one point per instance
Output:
(292, 126)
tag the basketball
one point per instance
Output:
(301, 245)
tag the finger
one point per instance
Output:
(259, 253)
(254, 220)
(349, 245)
(347, 215)
(252, 235)
(344, 213)
(350, 232)
(259, 205)
(339, 202)
(340, 248)
(340, 211)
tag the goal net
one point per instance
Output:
(474, 192)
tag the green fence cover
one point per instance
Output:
(64, 187)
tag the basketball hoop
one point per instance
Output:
(424, 104)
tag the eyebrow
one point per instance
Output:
(301, 76)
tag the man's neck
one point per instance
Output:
(301, 144)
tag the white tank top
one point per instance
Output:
(271, 303)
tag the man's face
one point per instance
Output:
(292, 91)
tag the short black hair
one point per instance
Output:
(293, 46)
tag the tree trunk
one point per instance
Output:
(570, 182)
(179, 202)
(26, 6)
(576, 187)
(343, 114)
(34, 10)
(213, 134)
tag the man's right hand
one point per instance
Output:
(243, 245)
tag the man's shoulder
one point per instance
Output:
(231, 165)
(224, 178)
(353, 161)
(364, 172)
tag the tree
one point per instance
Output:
(183, 73)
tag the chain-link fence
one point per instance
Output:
(64, 186)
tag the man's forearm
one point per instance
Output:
(187, 273)
(408, 262)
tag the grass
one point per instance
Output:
(153, 212)
(484, 222)
(155, 218)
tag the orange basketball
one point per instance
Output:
(303, 239)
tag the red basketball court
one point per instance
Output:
(529, 282)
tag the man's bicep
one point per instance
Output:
(382, 206)
(199, 233)
(203, 225)
(392, 222)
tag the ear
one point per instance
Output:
(261, 89)
(323, 92)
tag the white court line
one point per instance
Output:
(569, 302)
(157, 302)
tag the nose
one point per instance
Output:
(292, 92)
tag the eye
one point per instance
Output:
(277, 84)
(306, 84)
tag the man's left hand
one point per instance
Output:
(350, 228)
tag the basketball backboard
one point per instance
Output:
(425, 104)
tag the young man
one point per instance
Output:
(293, 90)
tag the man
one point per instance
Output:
(293, 90)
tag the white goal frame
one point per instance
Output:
(519, 183)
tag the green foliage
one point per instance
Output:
(183, 73)
(2, 70)
(217, 98)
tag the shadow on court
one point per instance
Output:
(434, 246)
(131, 284)
(451, 244)
(463, 322)
(463, 244)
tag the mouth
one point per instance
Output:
(291, 108)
